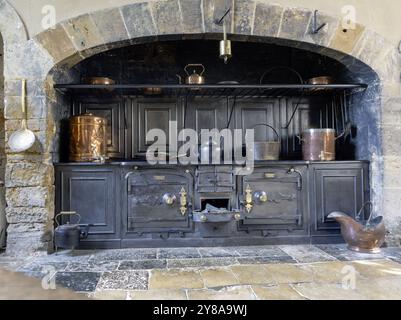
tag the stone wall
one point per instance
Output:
(2, 152)
(42, 60)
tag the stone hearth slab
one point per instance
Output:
(178, 253)
(92, 266)
(266, 259)
(78, 281)
(307, 253)
(218, 252)
(262, 251)
(124, 280)
(124, 254)
(341, 253)
(142, 265)
(204, 262)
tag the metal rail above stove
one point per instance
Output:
(239, 91)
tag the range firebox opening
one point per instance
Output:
(218, 203)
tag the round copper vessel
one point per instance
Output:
(88, 141)
(319, 145)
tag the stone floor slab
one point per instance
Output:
(227, 293)
(109, 295)
(329, 272)
(276, 292)
(218, 278)
(393, 254)
(175, 279)
(288, 273)
(15, 286)
(307, 253)
(373, 269)
(328, 291)
(78, 281)
(124, 280)
(386, 288)
(252, 275)
(157, 294)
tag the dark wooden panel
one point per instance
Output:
(251, 113)
(206, 114)
(151, 114)
(92, 193)
(114, 112)
(337, 189)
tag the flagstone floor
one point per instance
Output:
(238, 273)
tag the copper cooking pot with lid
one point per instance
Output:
(319, 144)
(88, 138)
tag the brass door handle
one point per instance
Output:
(183, 201)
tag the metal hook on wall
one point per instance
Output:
(315, 28)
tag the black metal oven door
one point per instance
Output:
(159, 200)
(273, 198)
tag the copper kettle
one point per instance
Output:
(194, 77)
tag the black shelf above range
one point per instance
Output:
(213, 91)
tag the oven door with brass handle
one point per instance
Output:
(158, 200)
(273, 198)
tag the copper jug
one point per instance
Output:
(88, 141)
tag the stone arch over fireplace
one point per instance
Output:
(366, 54)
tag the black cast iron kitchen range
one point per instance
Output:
(130, 203)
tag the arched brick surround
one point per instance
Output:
(30, 175)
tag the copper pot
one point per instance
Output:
(319, 144)
(88, 141)
(99, 81)
(324, 80)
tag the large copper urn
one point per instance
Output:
(88, 141)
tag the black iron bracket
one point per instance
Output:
(315, 28)
(220, 21)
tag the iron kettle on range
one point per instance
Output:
(68, 236)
